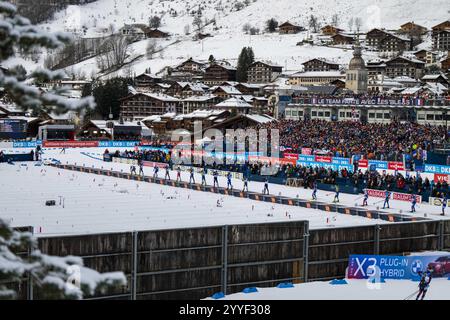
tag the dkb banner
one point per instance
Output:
(396, 267)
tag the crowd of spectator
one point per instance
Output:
(388, 142)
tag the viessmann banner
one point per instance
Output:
(393, 195)
(396, 267)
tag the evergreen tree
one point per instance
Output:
(18, 35)
(271, 25)
(108, 94)
(246, 58)
(51, 275)
(55, 277)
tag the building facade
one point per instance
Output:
(261, 72)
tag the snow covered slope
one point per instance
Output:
(91, 20)
(354, 290)
(380, 13)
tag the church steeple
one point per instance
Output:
(356, 79)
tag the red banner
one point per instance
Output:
(291, 156)
(440, 178)
(70, 144)
(375, 193)
(288, 161)
(364, 163)
(395, 165)
(394, 195)
(326, 159)
(154, 164)
(307, 151)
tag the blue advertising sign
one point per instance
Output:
(326, 165)
(434, 168)
(306, 158)
(379, 165)
(341, 161)
(117, 144)
(26, 144)
(397, 267)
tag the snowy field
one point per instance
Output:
(354, 290)
(87, 203)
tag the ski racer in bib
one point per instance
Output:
(266, 186)
(387, 195)
(245, 189)
(424, 284)
(167, 176)
(413, 203)
(204, 177)
(336, 195)
(191, 176)
(216, 179)
(314, 194)
(366, 198)
(229, 185)
(178, 174)
(444, 204)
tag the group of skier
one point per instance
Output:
(229, 176)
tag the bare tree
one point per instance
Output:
(358, 24)
(114, 52)
(246, 28)
(187, 29)
(335, 20)
(151, 48)
(350, 23)
(313, 24)
(197, 22)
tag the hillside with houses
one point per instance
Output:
(232, 59)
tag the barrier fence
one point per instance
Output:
(195, 263)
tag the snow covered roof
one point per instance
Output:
(160, 96)
(27, 119)
(413, 90)
(229, 90)
(199, 98)
(152, 118)
(405, 79)
(434, 76)
(317, 74)
(200, 113)
(234, 103)
(263, 118)
(169, 115)
(436, 88)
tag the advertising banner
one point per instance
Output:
(117, 144)
(437, 201)
(326, 159)
(397, 267)
(154, 164)
(379, 165)
(70, 144)
(307, 151)
(306, 158)
(341, 161)
(125, 161)
(441, 178)
(363, 164)
(434, 168)
(291, 156)
(26, 144)
(394, 195)
(396, 165)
